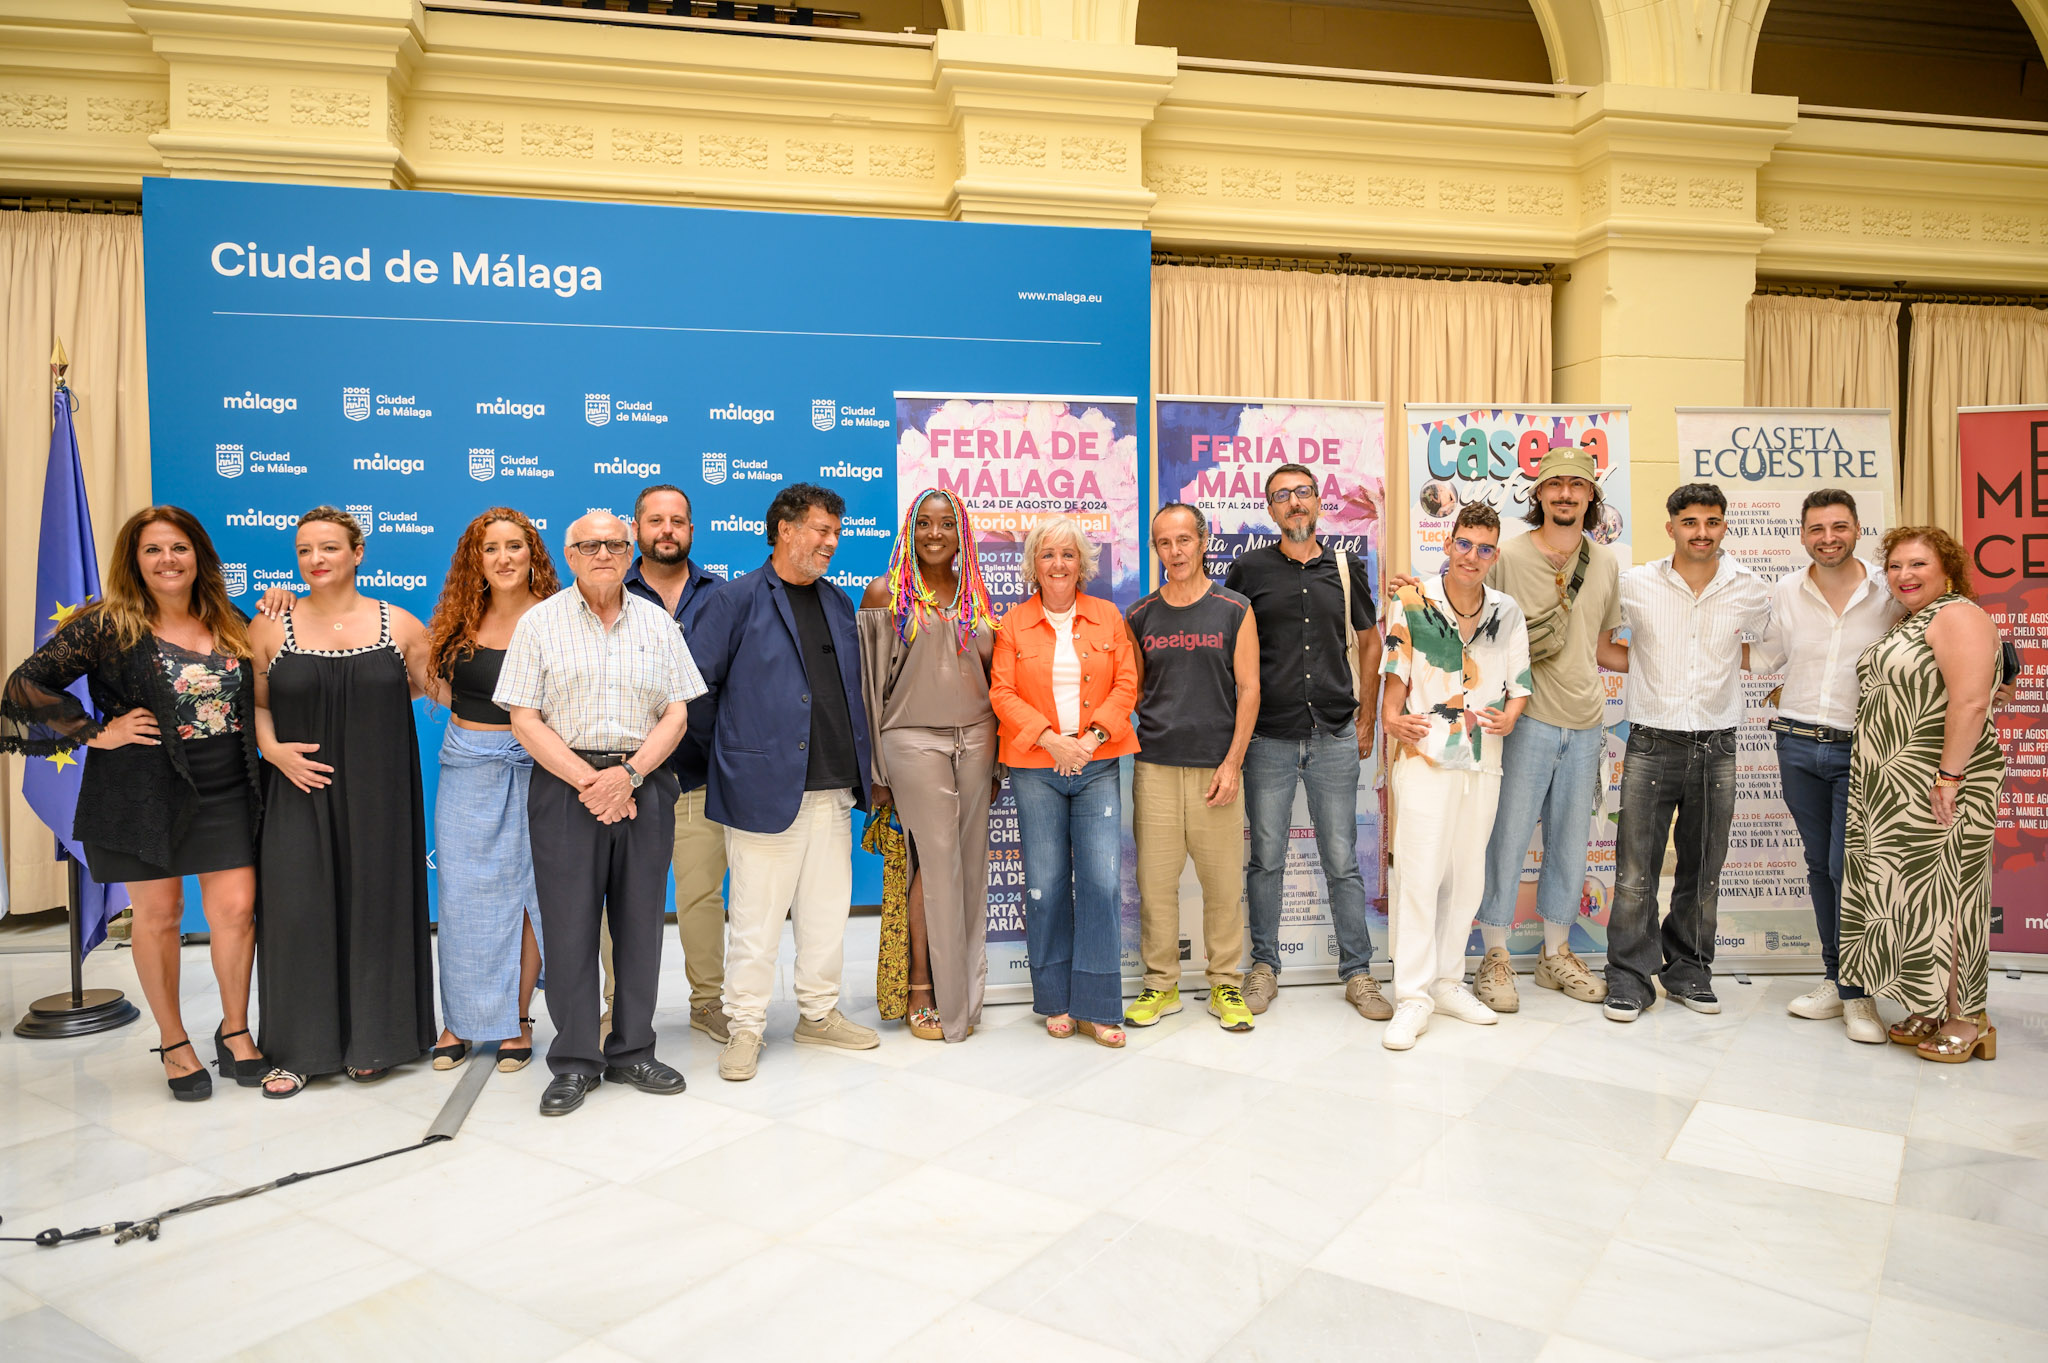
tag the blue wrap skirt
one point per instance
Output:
(484, 862)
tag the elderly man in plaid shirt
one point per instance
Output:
(598, 682)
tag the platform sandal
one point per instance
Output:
(512, 1059)
(195, 1087)
(247, 1073)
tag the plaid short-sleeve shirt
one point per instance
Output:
(599, 689)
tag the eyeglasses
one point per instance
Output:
(592, 548)
(1465, 546)
(1298, 494)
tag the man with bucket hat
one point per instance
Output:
(1567, 585)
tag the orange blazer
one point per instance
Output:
(1020, 680)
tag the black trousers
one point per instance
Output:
(1669, 773)
(585, 872)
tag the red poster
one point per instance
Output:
(2005, 531)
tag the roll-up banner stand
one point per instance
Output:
(1215, 453)
(1012, 461)
(2004, 458)
(418, 357)
(1464, 453)
(1766, 460)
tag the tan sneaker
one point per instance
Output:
(1362, 992)
(1261, 987)
(1566, 973)
(834, 1029)
(1494, 982)
(709, 1018)
(741, 1056)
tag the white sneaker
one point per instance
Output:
(1455, 1000)
(1411, 1020)
(1822, 1001)
(1860, 1020)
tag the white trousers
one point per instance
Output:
(804, 873)
(1442, 820)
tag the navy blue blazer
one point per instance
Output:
(756, 717)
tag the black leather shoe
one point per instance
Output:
(566, 1093)
(649, 1076)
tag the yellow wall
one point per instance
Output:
(1339, 35)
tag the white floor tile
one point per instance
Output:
(780, 1180)
(425, 1319)
(1909, 1332)
(1795, 1150)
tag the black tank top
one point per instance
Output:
(471, 682)
(1189, 710)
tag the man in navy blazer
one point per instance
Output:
(788, 743)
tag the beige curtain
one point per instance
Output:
(1962, 356)
(1823, 352)
(77, 277)
(1287, 334)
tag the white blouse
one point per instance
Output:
(1066, 672)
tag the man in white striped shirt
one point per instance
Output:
(1688, 616)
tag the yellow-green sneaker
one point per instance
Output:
(1152, 1005)
(1228, 1006)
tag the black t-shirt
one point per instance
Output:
(833, 763)
(1188, 712)
(1305, 683)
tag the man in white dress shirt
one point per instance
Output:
(1688, 617)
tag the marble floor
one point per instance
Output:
(1747, 1186)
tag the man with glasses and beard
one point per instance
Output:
(665, 575)
(1315, 723)
(599, 683)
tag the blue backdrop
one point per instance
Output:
(418, 357)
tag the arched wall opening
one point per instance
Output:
(1971, 58)
(1483, 39)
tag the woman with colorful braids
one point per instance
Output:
(927, 635)
(490, 919)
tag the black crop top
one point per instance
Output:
(470, 684)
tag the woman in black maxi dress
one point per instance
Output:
(345, 976)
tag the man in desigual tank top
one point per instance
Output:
(1198, 675)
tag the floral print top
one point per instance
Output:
(1450, 680)
(203, 687)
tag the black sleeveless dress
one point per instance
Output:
(344, 974)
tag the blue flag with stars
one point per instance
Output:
(67, 577)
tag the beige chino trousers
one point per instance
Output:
(1172, 821)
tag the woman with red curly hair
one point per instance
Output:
(490, 918)
(1923, 801)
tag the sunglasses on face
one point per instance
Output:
(593, 548)
(1465, 546)
(1295, 494)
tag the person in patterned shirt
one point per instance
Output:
(1457, 679)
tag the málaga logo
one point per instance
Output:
(483, 465)
(365, 516)
(236, 577)
(714, 467)
(355, 404)
(824, 413)
(597, 408)
(227, 460)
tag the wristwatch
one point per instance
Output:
(631, 775)
(1101, 734)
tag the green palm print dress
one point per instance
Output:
(1916, 897)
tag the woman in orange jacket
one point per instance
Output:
(1063, 685)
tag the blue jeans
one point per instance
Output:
(1072, 831)
(1327, 766)
(1815, 780)
(1550, 774)
(1667, 774)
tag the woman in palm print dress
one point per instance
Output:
(1923, 799)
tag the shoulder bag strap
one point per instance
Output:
(1350, 635)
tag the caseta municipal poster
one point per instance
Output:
(1463, 453)
(2005, 532)
(1013, 460)
(1215, 453)
(1766, 460)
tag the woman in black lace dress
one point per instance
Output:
(346, 980)
(169, 787)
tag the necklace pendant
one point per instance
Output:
(338, 624)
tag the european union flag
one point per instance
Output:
(67, 577)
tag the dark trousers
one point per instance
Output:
(1689, 775)
(584, 873)
(1815, 779)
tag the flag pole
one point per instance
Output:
(82, 1011)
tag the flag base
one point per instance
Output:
(81, 1014)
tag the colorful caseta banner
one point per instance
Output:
(1766, 460)
(1461, 453)
(2005, 532)
(1215, 453)
(1013, 460)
